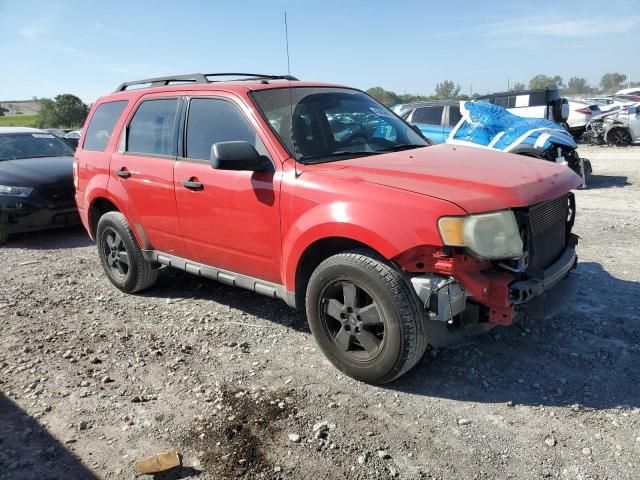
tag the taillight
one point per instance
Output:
(585, 111)
(75, 173)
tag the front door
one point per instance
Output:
(143, 166)
(229, 219)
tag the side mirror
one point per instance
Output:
(238, 156)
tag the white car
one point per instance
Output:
(618, 128)
(613, 102)
(580, 114)
(629, 91)
(75, 135)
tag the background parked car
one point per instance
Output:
(435, 119)
(580, 114)
(36, 181)
(620, 128)
(541, 103)
(72, 138)
(629, 91)
(614, 102)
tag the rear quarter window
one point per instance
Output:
(101, 125)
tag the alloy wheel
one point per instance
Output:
(115, 253)
(353, 321)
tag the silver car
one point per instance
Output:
(620, 128)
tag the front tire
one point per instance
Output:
(618, 136)
(364, 317)
(120, 255)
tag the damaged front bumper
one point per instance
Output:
(500, 297)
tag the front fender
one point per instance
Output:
(388, 229)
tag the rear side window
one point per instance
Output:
(152, 128)
(211, 121)
(101, 126)
(428, 115)
(454, 115)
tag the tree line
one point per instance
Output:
(63, 111)
(609, 83)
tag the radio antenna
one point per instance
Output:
(286, 39)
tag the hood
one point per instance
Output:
(476, 180)
(33, 172)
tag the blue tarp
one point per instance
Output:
(494, 127)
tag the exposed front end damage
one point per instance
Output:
(463, 295)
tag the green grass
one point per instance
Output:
(19, 121)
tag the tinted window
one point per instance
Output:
(454, 115)
(501, 101)
(538, 99)
(152, 128)
(429, 115)
(212, 121)
(15, 146)
(101, 126)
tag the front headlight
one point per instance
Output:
(12, 191)
(488, 235)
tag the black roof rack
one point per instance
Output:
(200, 78)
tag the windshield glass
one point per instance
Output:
(15, 146)
(327, 124)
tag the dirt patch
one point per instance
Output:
(235, 439)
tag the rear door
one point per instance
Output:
(142, 168)
(230, 219)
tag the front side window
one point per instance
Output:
(213, 120)
(101, 126)
(322, 124)
(152, 128)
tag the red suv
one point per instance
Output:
(318, 195)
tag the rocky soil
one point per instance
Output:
(92, 379)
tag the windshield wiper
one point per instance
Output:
(331, 157)
(398, 148)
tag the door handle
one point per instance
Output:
(123, 172)
(193, 184)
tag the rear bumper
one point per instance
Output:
(28, 220)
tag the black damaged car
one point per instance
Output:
(36, 182)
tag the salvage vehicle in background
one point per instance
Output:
(538, 138)
(541, 103)
(618, 128)
(389, 243)
(36, 182)
(488, 126)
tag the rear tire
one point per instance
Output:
(120, 255)
(364, 317)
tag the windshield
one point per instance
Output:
(15, 146)
(319, 125)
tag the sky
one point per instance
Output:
(88, 48)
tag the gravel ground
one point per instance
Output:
(92, 379)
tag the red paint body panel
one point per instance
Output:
(260, 224)
(477, 180)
